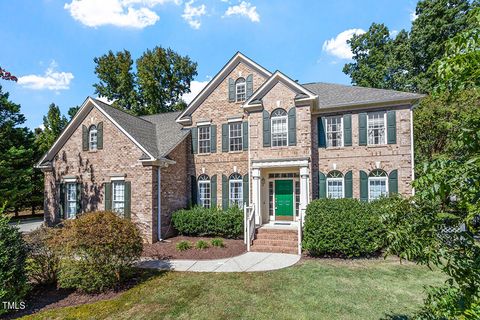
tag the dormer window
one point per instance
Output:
(92, 138)
(240, 90)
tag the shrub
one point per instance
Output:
(43, 261)
(98, 251)
(201, 244)
(342, 227)
(13, 253)
(184, 245)
(200, 221)
(217, 242)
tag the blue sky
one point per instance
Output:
(50, 44)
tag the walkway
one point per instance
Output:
(28, 224)
(247, 262)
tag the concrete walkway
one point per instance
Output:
(247, 262)
(28, 225)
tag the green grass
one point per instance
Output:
(313, 289)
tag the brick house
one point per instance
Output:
(251, 138)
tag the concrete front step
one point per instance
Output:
(274, 236)
(276, 243)
(263, 248)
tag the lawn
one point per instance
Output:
(312, 289)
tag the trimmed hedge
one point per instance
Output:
(342, 227)
(214, 222)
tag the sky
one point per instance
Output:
(50, 44)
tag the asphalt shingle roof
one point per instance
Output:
(331, 95)
(158, 133)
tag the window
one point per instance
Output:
(92, 138)
(279, 128)
(334, 131)
(240, 90)
(204, 191)
(377, 184)
(118, 196)
(270, 198)
(376, 128)
(204, 139)
(335, 185)
(297, 197)
(71, 200)
(235, 132)
(236, 190)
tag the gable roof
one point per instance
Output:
(155, 135)
(219, 77)
(337, 95)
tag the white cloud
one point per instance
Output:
(192, 14)
(51, 80)
(244, 9)
(338, 46)
(393, 33)
(195, 88)
(120, 13)
(413, 15)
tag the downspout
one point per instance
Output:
(159, 204)
(248, 168)
(412, 148)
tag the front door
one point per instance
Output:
(284, 199)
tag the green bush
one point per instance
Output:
(342, 227)
(13, 253)
(200, 221)
(43, 261)
(184, 245)
(97, 251)
(217, 242)
(201, 244)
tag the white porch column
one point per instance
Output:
(304, 189)
(256, 190)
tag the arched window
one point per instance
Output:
(377, 184)
(240, 89)
(236, 189)
(279, 128)
(204, 192)
(92, 138)
(335, 185)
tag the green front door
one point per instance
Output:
(284, 199)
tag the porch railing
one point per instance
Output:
(249, 225)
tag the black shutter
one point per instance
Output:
(213, 138)
(266, 129)
(213, 191)
(322, 142)
(391, 127)
(322, 185)
(347, 130)
(245, 135)
(193, 181)
(79, 197)
(249, 85)
(231, 90)
(107, 197)
(363, 186)
(393, 182)
(348, 185)
(128, 200)
(224, 192)
(100, 136)
(62, 203)
(292, 127)
(362, 129)
(246, 185)
(84, 138)
(225, 145)
(194, 131)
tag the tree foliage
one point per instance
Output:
(53, 124)
(5, 75)
(162, 77)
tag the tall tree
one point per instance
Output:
(54, 123)
(162, 77)
(73, 111)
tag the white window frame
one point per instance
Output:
(92, 143)
(239, 83)
(384, 113)
(235, 199)
(204, 180)
(240, 145)
(335, 179)
(371, 179)
(207, 147)
(69, 200)
(120, 209)
(329, 145)
(279, 118)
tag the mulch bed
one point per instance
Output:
(167, 249)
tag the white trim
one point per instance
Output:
(118, 178)
(69, 180)
(237, 119)
(412, 148)
(342, 179)
(204, 123)
(369, 104)
(277, 164)
(159, 204)
(377, 179)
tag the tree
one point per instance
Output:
(162, 77)
(53, 123)
(73, 111)
(5, 75)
